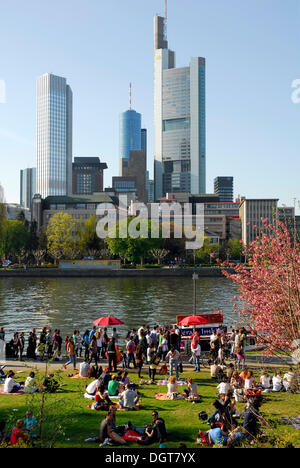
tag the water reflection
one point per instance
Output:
(69, 303)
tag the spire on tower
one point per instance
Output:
(166, 21)
(130, 96)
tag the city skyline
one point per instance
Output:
(251, 130)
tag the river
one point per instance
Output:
(68, 303)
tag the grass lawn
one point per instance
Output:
(67, 414)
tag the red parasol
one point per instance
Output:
(107, 321)
(191, 320)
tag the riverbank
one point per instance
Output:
(205, 272)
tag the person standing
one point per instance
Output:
(71, 353)
(130, 347)
(196, 353)
(112, 355)
(94, 349)
(172, 358)
(21, 346)
(2, 344)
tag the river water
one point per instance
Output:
(68, 303)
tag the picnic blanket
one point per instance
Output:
(294, 422)
(131, 436)
(2, 392)
(165, 382)
(164, 396)
(77, 376)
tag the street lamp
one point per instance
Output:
(195, 277)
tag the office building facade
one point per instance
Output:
(223, 186)
(252, 211)
(54, 136)
(87, 176)
(179, 120)
(27, 186)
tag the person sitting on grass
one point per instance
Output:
(172, 388)
(10, 385)
(215, 370)
(19, 433)
(249, 381)
(192, 390)
(217, 435)
(109, 432)
(265, 381)
(84, 369)
(155, 432)
(114, 386)
(129, 399)
(277, 382)
(50, 384)
(102, 400)
(252, 418)
(30, 424)
(30, 384)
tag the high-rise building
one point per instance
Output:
(130, 132)
(179, 120)
(54, 136)
(223, 186)
(252, 212)
(87, 176)
(27, 186)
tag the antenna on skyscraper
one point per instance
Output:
(130, 96)
(166, 21)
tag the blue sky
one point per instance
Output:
(252, 50)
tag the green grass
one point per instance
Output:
(69, 408)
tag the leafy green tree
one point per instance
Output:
(15, 239)
(129, 248)
(3, 227)
(159, 254)
(61, 234)
(88, 239)
(203, 255)
(235, 248)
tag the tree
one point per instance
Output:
(235, 248)
(129, 248)
(15, 238)
(3, 227)
(270, 288)
(61, 234)
(88, 239)
(159, 254)
(206, 252)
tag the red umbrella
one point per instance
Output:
(191, 320)
(107, 321)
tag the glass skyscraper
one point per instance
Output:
(179, 120)
(54, 136)
(130, 132)
(27, 186)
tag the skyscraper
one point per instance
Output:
(179, 120)
(54, 136)
(27, 186)
(130, 132)
(223, 186)
(88, 176)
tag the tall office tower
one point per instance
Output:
(54, 136)
(87, 176)
(130, 134)
(223, 186)
(179, 120)
(27, 186)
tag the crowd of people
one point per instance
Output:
(111, 388)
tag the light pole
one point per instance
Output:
(195, 277)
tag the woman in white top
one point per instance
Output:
(30, 384)
(249, 381)
(192, 390)
(265, 381)
(172, 387)
(277, 382)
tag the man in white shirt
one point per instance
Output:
(290, 381)
(92, 387)
(84, 369)
(129, 398)
(277, 382)
(10, 385)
